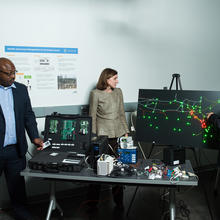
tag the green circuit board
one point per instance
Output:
(68, 131)
(84, 127)
(53, 126)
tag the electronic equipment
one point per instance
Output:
(46, 144)
(99, 145)
(177, 117)
(127, 152)
(105, 165)
(68, 132)
(56, 161)
(67, 140)
(126, 142)
(128, 155)
(174, 156)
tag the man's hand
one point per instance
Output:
(39, 143)
(209, 114)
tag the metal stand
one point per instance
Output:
(132, 200)
(172, 203)
(176, 78)
(53, 204)
(178, 83)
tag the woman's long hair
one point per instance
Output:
(105, 75)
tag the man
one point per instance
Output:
(214, 119)
(16, 116)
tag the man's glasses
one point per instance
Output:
(9, 74)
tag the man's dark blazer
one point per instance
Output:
(24, 119)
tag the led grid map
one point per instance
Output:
(177, 117)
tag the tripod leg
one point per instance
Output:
(195, 155)
(152, 147)
(177, 83)
(132, 200)
(180, 83)
(171, 83)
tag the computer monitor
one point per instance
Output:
(177, 117)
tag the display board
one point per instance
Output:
(177, 117)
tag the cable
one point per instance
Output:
(144, 156)
(133, 129)
(30, 154)
(184, 211)
(113, 151)
(160, 151)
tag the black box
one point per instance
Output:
(174, 155)
(99, 146)
(70, 139)
(68, 132)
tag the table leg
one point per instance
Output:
(53, 204)
(132, 200)
(172, 203)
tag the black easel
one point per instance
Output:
(176, 76)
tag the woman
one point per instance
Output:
(108, 118)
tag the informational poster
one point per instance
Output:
(45, 71)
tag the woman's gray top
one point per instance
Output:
(107, 112)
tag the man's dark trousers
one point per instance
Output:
(11, 164)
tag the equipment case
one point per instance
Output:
(69, 137)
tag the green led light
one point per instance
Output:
(178, 119)
(144, 116)
(174, 129)
(150, 125)
(218, 100)
(179, 129)
(145, 106)
(149, 117)
(156, 127)
(193, 134)
(170, 102)
(166, 118)
(155, 117)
